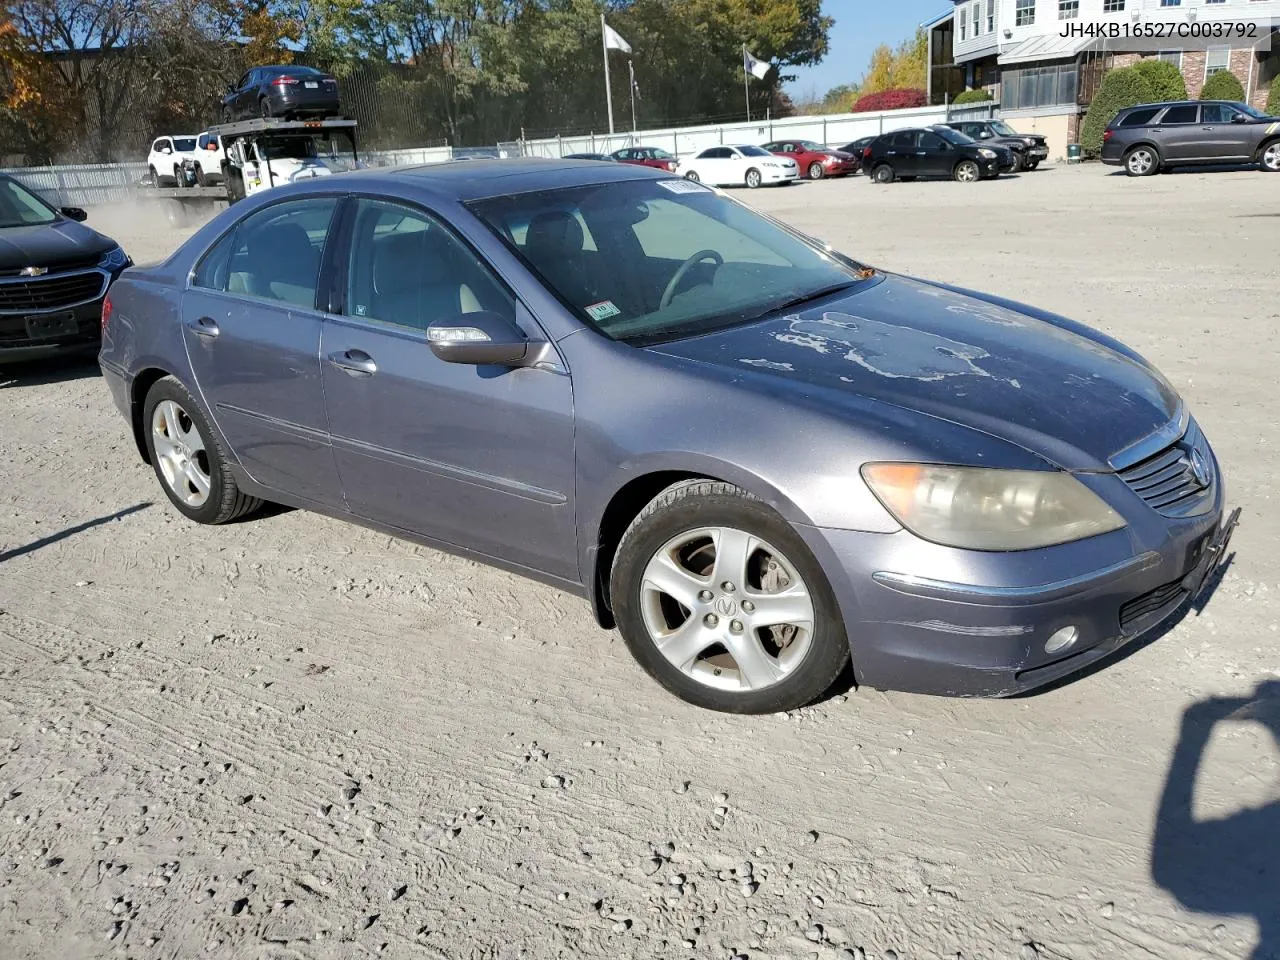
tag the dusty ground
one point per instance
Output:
(293, 738)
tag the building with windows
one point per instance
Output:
(1043, 59)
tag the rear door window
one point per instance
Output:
(1185, 113)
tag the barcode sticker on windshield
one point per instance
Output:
(602, 310)
(682, 186)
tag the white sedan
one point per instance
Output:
(737, 164)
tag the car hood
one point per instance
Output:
(57, 244)
(1068, 398)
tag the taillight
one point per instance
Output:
(1106, 135)
(866, 153)
(284, 81)
(106, 312)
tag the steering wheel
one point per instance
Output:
(684, 268)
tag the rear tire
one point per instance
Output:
(1142, 161)
(779, 668)
(178, 179)
(191, 462)
(201, 180)
(264, 108)
(882, 174)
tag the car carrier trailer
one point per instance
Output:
(260, 154)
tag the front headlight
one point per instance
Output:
(114, 259)
(978, 508)
(984, 152)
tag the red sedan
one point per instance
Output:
(814, 160)
(646, 157)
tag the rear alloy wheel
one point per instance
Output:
(189, 462)
(816, 172)
(1271, 157)
(1141, 162)
(753, 178)
(719, 599)
(882, 174)
(966, 172)
(692, 175)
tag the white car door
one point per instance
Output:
(734, 169)
(160, 159)
(719, 164)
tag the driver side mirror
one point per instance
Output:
(478, 338)
(1239, 118)
(74, 213)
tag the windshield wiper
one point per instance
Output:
(805, 298)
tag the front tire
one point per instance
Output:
(201, 179)
(720, 600)
(966, 171)
(882, 174)
(753, 178)
(1142, 161)
(692, 175)
(815, 171)
(1270, 159)
(190, 463)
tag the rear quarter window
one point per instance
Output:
(1138, 118)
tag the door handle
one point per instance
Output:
(204, 327)
(354, 363)
(920, 153)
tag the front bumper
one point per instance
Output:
(944, 634)
(1112, 153)
(81, 333)
(778, 175)
(991, 168)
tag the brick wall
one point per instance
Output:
(1193, 72)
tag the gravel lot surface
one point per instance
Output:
(294, 738)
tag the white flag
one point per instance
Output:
(614, 42)
(757, 68)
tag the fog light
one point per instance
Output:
(1061, 639)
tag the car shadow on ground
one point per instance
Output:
(53, 538)
(1198, 168)
(1229, 865)
(34, 373)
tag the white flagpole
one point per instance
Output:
(608, 92)
(746, 79)
(632, 71)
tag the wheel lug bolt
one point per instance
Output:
(705, 596)
(748, 606)
(727, 587)
(735, 626)
(711, 620)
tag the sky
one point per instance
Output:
(861, 26)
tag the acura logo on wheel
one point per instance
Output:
(726, 606)
(1200, 468)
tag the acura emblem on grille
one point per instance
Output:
(33, 271)
(1200, 468)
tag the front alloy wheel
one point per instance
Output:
(692, 175)
(815, 171)
(966, 171)
(720, 600)
(753, 178)
(882, 174)
(1271, 157)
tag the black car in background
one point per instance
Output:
(936, 151)
(281, 91)
(856, 147)
(1153, 137)
(1028, 148)
(607, 158)
(54, 272)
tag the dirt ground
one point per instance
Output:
(293, 738)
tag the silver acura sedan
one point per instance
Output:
(759, 459)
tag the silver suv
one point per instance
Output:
(1153, 137)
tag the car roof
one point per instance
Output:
(489, 178)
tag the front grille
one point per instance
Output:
(1167, 480)
(1162, 599)
(67, 266)
(50, 292)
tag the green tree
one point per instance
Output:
(1273, 98)
(1120, 88)
(1164, 78)
(1223, 85)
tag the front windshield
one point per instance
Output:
(811, 146)
(184, 144)
(753, 151)
(644, 261)
(19, 207)
(1002, 128)
(1251, 111)
(288, 148)
(657, 153)
(954, 136)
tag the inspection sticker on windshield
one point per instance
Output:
(683, 186)
(602, 310)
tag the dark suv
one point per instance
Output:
(936, 151)
(1153, 137)
(1028, 148)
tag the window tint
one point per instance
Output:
(408, 270)
(276, 252)
(1216, 113)
(211, 271)
(1181, 114)
(1139, 117)
(904, 140)
(931, 142)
